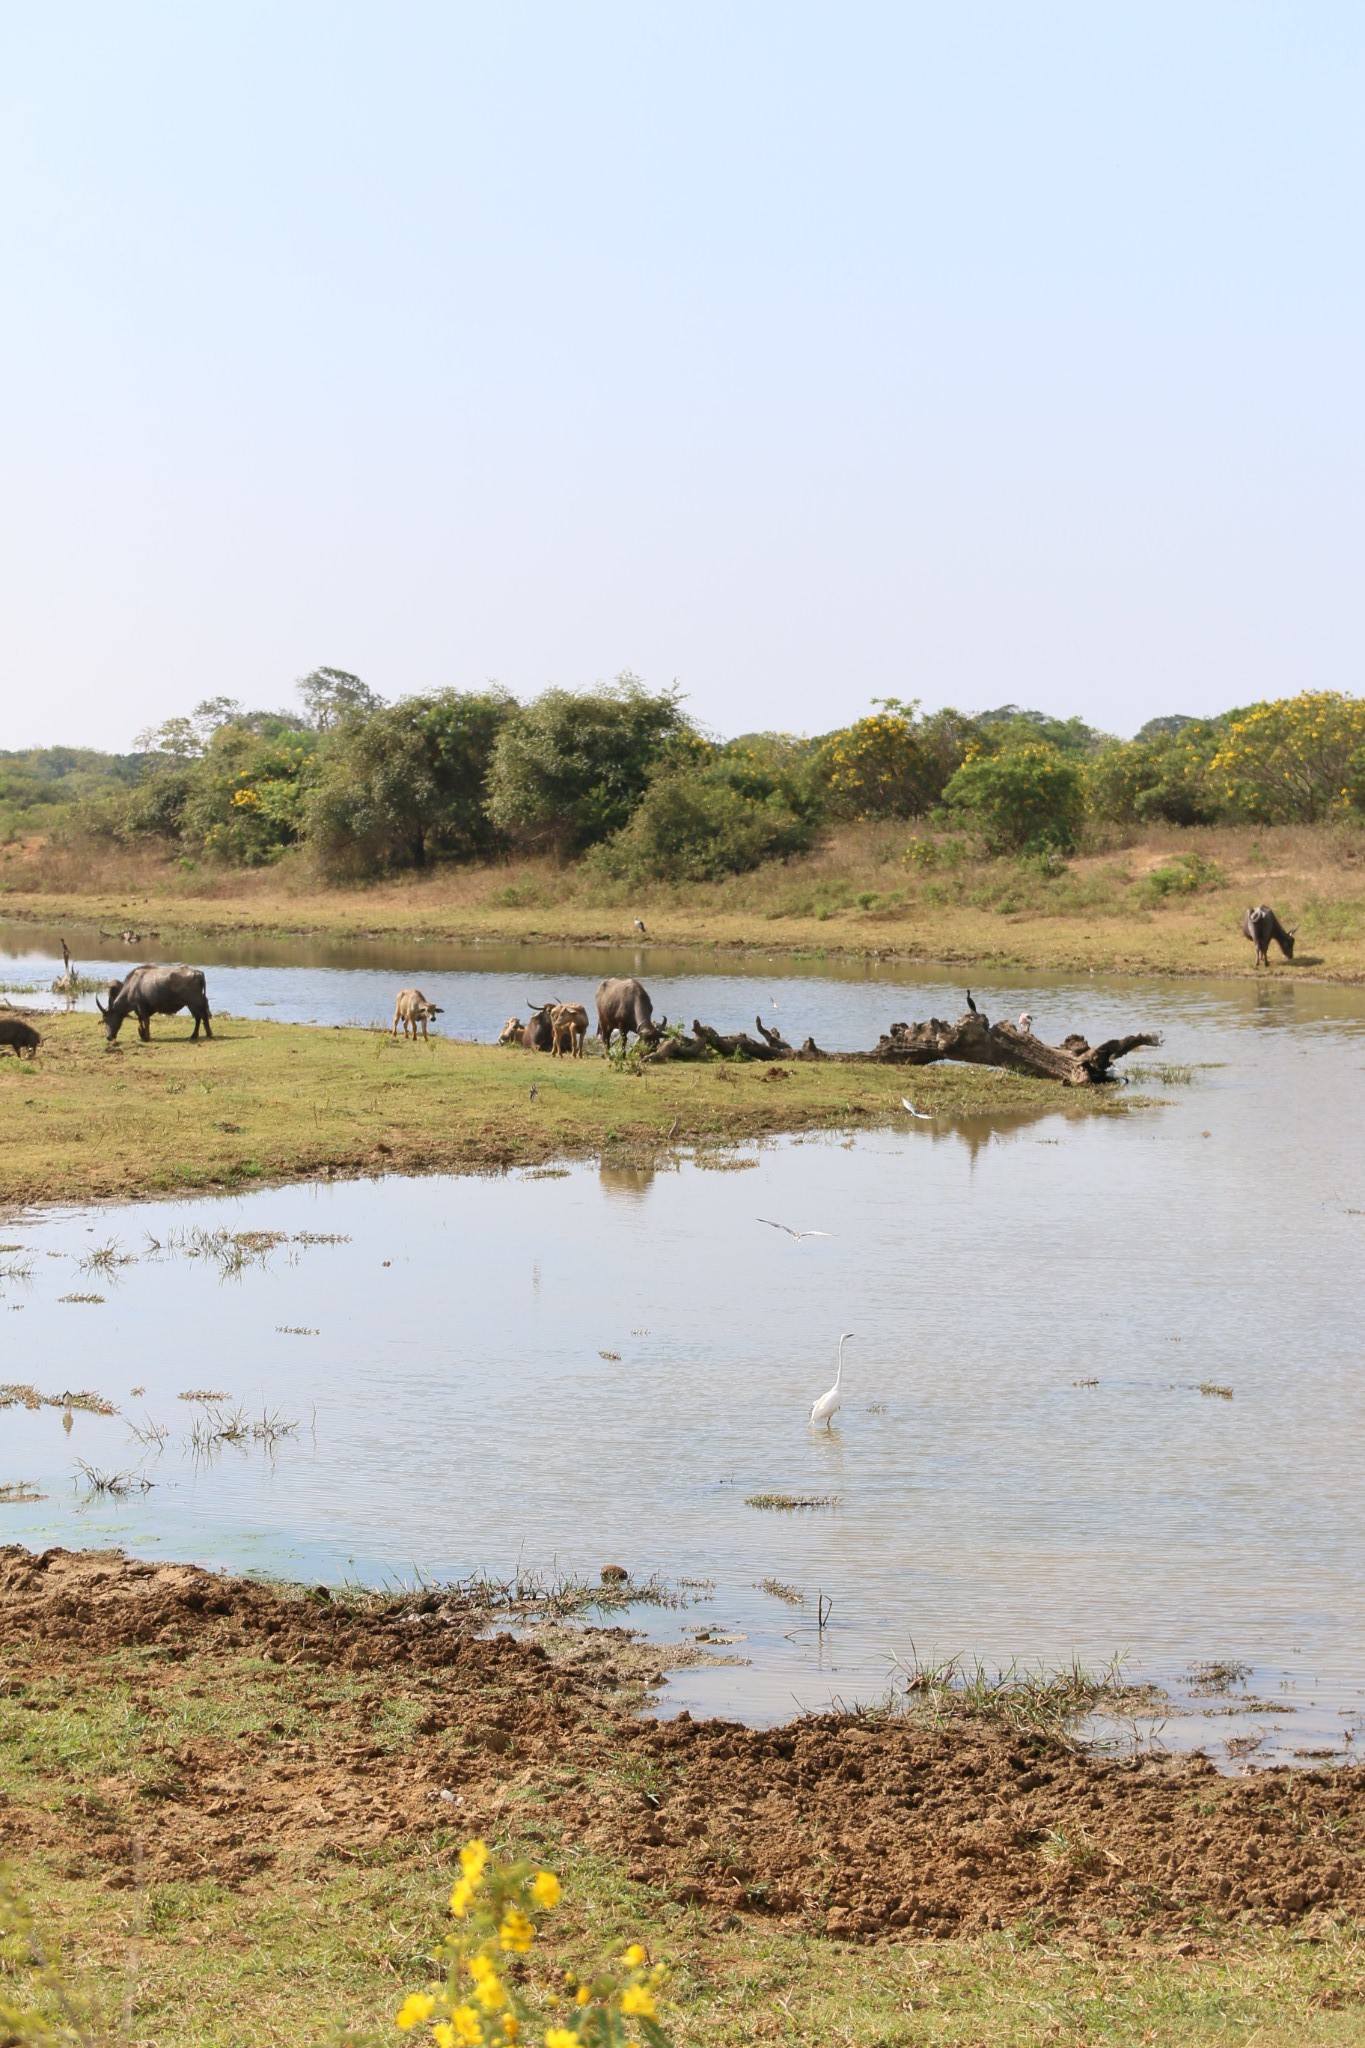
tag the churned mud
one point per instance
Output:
(233, 1730)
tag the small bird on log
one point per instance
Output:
(971, 1005)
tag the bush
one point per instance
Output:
(1295, 761)
(1022, 801)
(568, 770)
(892, 764)
(699, 824)
(1186, 875)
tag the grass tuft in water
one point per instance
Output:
(117, 1484)
(786, 1503)
(1029, 1699)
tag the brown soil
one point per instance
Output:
(858, 1825)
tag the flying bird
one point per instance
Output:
(826, 1407)
(910, 1110)
(1025, 1021)
(797, 1234)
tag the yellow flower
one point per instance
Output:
(562, 2037)
(461, 1897)
(416, 2007)
(545, 1888)
(583, 1994)
(468, 2028)
(639, 2002)
(516, 1933)
(474, 1860)
(444, 2035)
(633, 1956)
(510, 2026)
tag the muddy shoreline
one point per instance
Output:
(861, 1826)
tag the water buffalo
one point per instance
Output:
(21, 1038)
(1261, 926)
(412, 1009)
(156, 992)
(623, 1004)
(538, 1033)
(569, 1025)
(511, 1032)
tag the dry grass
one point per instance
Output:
(893, 889)
(263, 1102)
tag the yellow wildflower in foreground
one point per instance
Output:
(474, 1860)
(416, 2007)
(516, 1933)
(562, 2037)
(461, 1898)
(546, 1889)
(466, 2026)
(639, 2003)
(634, 1956)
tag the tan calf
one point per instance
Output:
(569, 1023)
(412, 1009)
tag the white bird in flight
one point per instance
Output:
(910, 1110)
(797, 1234)
(826, 1407)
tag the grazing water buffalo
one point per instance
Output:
(21, 1038)
(623, 1004)
(412, 1009)
(156, 992)
(569, 1024)
(1261, 926)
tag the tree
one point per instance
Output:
(332, 694)
(1164, 776)
(1027, 799)
(893, 763)
(404, 784)
(701, 820)
(569, 769)
(1293, 761)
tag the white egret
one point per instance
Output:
(910, 1110)
(828, 1404)
(797, 1234)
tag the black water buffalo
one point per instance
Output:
(156, 992)
(623, 1004)
(21, 1038)
(538, 1033)
(1261, 926)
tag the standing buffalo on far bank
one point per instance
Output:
(156, 992)
(623, 1004)
(1261, 926)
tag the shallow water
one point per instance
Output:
(458, 1413)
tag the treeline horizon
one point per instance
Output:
(621, 777)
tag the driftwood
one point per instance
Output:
(1075, 1063)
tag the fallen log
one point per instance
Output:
(1075, 1063)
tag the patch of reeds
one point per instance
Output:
(1029, 1699)
(148, 1432)
(534, 1596)
(16, 1491)
(16, 1394)
(115, 1484)
(293, 1330)
(16, 1264)
(787, 1503)
(1214, 1391)
(775, 1588)
(203, 1394)
(106, 1259)
(1218, 1675)
(234, 1426)
(96, 1300)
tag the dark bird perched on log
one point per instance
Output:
(971, 1005)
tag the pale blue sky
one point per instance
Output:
(805, 354)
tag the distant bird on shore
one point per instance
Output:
(640, 926)
(828, 1405)
(910, 1110)
(797, 1234)
(971, 1005)
(1025, 1021)
(535, 1092)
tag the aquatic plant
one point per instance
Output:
(116, 1483)
(784, 1503)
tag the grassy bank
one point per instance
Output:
(1167, 902)
(237, 1813)
(263, 1102)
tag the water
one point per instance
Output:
(458, 1412)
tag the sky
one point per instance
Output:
(802, 355)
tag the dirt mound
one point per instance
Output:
(399, 1717)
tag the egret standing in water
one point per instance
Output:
(829, 1404)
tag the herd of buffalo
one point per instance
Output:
(623, 1004)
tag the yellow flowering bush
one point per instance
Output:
(480, 2000)
(1295, 761)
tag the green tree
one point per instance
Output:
(893, 763)
(334, 694)
(702, 819)
(1027, 799)
(569, 769)
(243, 797)
(1163, 776)
(405, 784)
